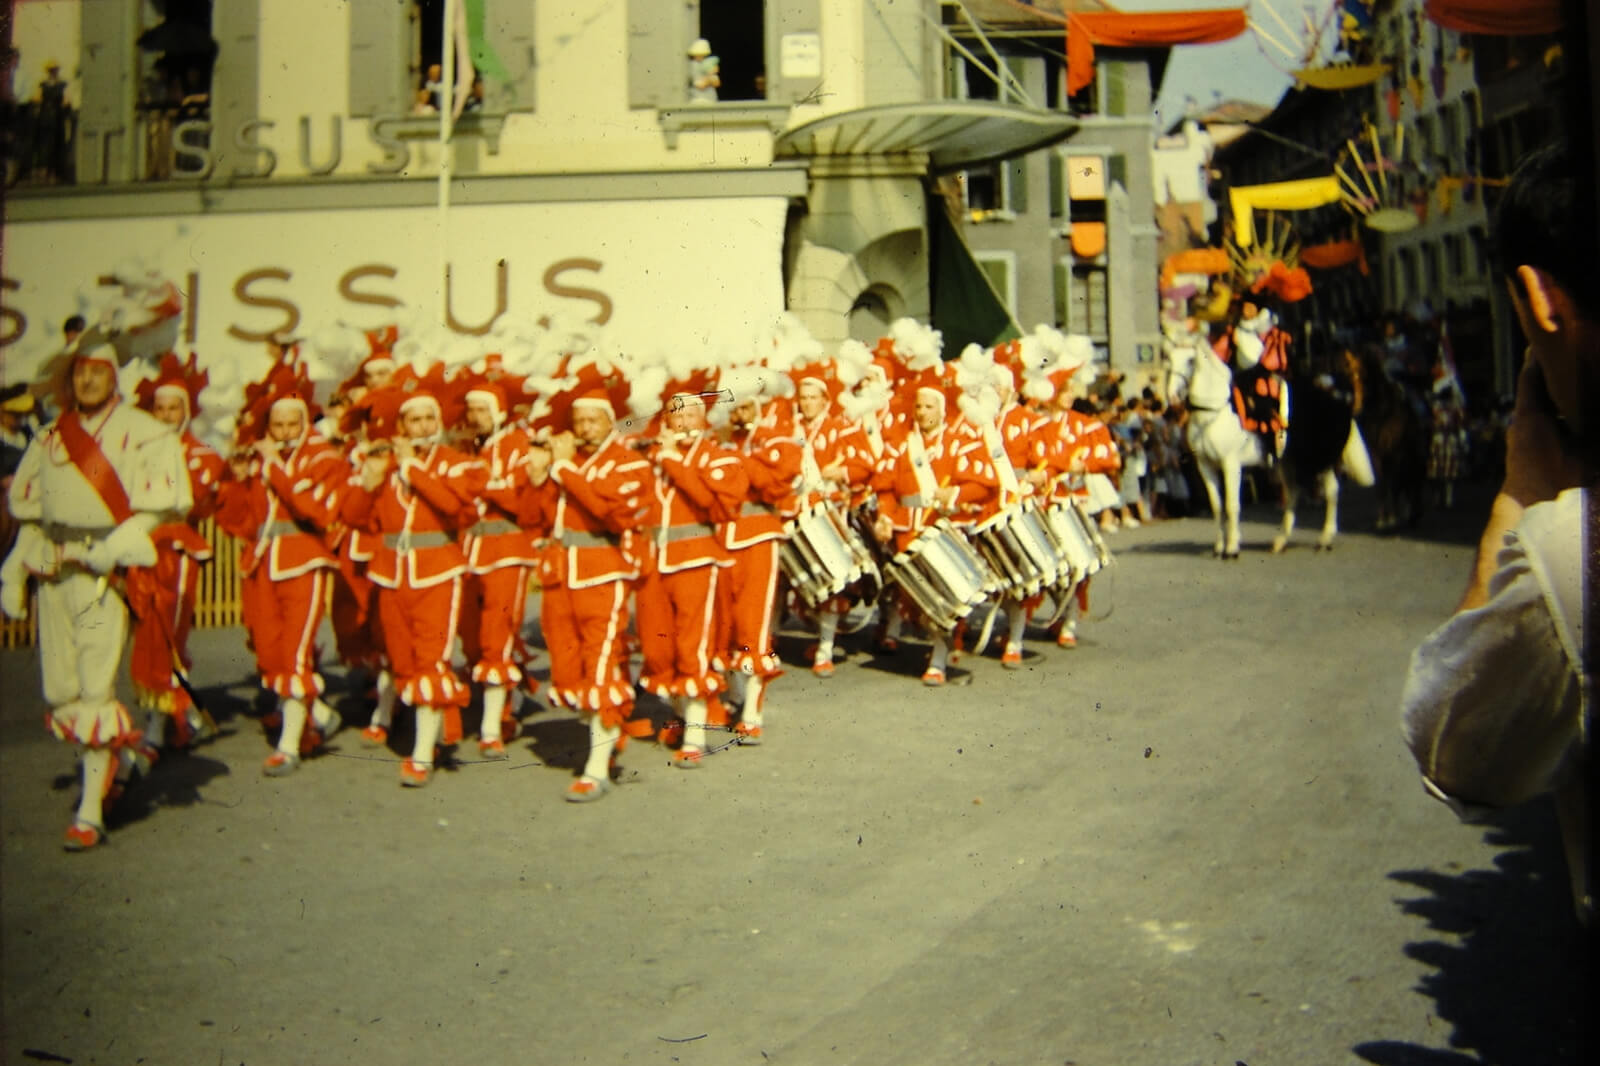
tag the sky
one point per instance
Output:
(1241, 69)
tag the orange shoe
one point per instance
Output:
(687, 758)
(586, 790)
(494, 750)
(933, 677)
(414, 774)
(374, 736)
(81, 836)
(1012, 659)
(822, 668)
(279, 764)
(747, 734)
(1067, 640)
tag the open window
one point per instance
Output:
(397, 58)
(766, 52)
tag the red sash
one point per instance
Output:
(85, 454)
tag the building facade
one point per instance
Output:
(283, 159)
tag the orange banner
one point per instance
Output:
(1156, 29)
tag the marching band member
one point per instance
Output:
(161, 628)
(88, 490)
(589, 490)
(500, 556)
(990, 382)
(769, 451)
(412, 494)
(835, 462)
(1074, 446)
(937, 471)
(699, 485)
(279, 499)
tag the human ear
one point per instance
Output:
(1542, 296)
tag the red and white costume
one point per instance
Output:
(771, 458)
(417, 564)
(163, 596)
(87, 492)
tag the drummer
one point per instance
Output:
(1008, 430)
(835, 461)
(936, 472)
(1072, 446)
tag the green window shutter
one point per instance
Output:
(508, 38)
(1058, 192)
(380, 58)
(801, 21)
(1117, 170)
(106, 65)
(1115, 96)
(236, 79)
(1019, 184)
(658, 37)
(1062, 290)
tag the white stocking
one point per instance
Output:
(755, 688)
(383, 713)
(294, 723)
(941, 652)
(694, 729)
(494, 707)
(602, 742)
(827, 626)
(1016, 624)
(429, 722)
(96, 768)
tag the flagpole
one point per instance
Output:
(447, 81)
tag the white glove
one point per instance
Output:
(128, 545)
(14, 599)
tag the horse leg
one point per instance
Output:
(1291, 492)
(1208, 474)
(1231, 471)
(1330, 517)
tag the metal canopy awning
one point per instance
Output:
(955, 134)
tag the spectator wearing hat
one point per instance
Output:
(705, 73)
(89, 489)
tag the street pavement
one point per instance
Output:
(1197, 839)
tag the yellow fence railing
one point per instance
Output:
(216, 599)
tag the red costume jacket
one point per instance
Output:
(414, 516)
(693, 495)
(496, 539)
(954, 458)
(593, 506)
(283, 510)
(771, 462)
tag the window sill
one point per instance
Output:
(426, 128)
(676, 120)
(998, 214)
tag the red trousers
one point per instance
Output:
(161, 632)
(354, 614)
(491, 624)
(419, 634)
(585, 631)
(746, 595)
(676, 632)
(282, 617)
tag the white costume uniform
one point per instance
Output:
(72, 543)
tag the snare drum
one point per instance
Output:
(943, 575)
(1073, 542)
(823, 556)
(1017, 545)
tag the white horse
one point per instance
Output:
(1222, 448)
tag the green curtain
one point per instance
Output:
(966, 308)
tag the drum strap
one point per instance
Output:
(1002, 462)
(927, 486)
(810, 472)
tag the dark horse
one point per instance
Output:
(1397, 436)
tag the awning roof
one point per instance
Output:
(955, 134)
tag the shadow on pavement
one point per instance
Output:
(1514, 986)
